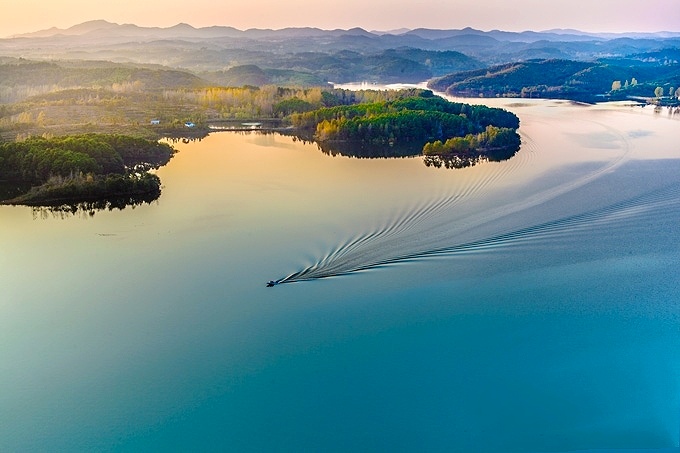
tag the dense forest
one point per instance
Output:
(425, 122)
(86, 167)
(494, 143)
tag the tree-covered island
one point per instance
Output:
(422, 123)
(111, 170)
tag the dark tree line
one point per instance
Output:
(83, 167)
(493, 139)
(413, 119)
(37, 159)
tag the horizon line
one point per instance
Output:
(558, 30)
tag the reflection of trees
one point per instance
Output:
(366, 151)
(355, 149)
(453, 161)
(503, 153)
(185, 139)
(88, 209)
(373, 151)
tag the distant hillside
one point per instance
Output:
(510, 78)
(567, 79)
(253, 75)
(437, 62)
(556, 63)
(22, 78)
(385, 55)
(319, 68)
(239, 76)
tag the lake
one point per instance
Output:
(529, 305)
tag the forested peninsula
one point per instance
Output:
(107, 169)
(452, 133)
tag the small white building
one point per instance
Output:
(155, 122)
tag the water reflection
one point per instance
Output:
(457, 161)
(87, 209)
(371, 151)
(362, 151)
(453, 162)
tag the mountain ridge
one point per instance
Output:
(187, 30)
(310, 54)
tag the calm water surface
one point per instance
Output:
(531, 305)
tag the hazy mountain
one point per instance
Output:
(79, 29)
(525, 36)
(636, 35)
(313, 54)
(102, 27)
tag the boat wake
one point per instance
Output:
(363, 253)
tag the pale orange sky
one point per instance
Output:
(19, 16)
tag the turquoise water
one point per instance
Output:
(531, 305)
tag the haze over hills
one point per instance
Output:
(332, 55)
(488, 46)
(309, 56)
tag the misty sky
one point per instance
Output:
(19, 16)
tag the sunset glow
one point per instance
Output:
(19, 16)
